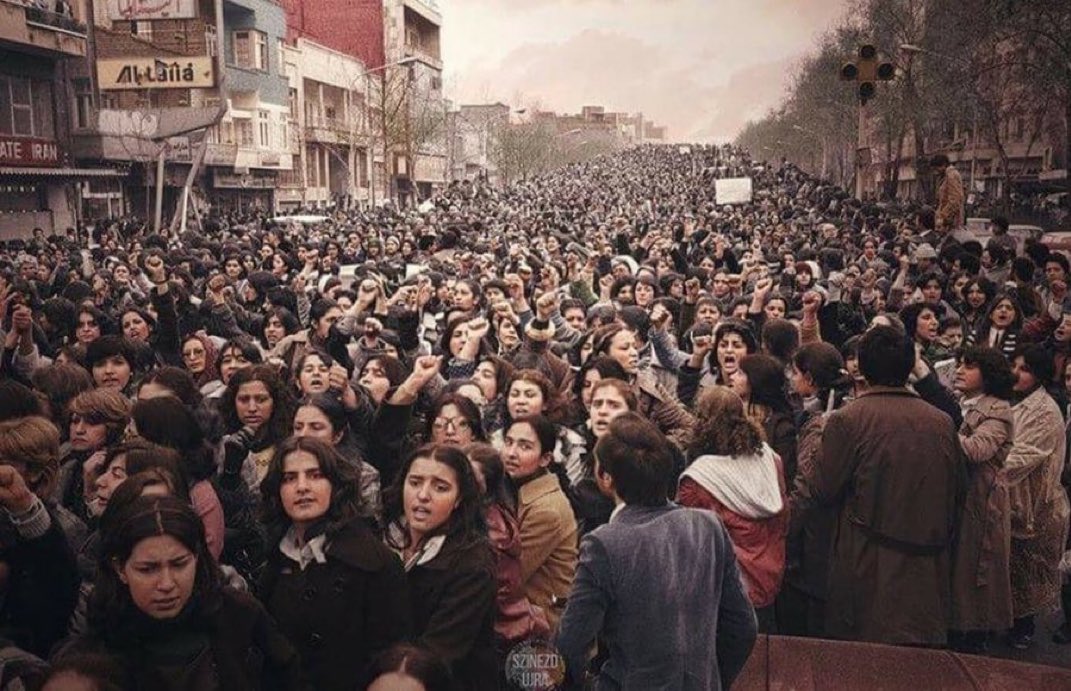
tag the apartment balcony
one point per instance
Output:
(40, 31)
(247, 157)
(427, 9)
(332, 131)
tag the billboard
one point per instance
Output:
(139, 10)
(115, 74)
(732, 190)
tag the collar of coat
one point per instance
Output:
(888, 391)
(545, 484)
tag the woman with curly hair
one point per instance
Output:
(981, 580)
(737, 475)
(257, 410)
(335, 590)
(531, 392)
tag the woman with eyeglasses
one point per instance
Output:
(99, 419)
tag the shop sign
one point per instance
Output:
(139, 10)
(155, 73)
(225, 180)
(27, 151)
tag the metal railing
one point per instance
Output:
(41, 17)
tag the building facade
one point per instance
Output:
(328, 90)
(39, 179)
(209, 71)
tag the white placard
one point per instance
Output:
(732, 190)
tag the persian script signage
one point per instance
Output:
(155, 73)
(135, 10)
(26, 151)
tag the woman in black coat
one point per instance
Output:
(160, 611)
(435, 523)
(335, 590)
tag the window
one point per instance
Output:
(251, 49)
(142, 30)
(17, 107)
(412, 38)
(21, 107)
(263, 129)
(292, 101)
(279, 43)
(210, 40)
(245, 133)
(109, 101)
(84, 113)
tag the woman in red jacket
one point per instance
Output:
(738, 476)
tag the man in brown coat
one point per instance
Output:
(892, 465)
(950, 195)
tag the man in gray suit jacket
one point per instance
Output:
(658, 584)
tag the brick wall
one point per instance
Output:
(354, 27)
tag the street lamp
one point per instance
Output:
(383, 116)
(912, 49)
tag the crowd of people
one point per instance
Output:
(595, 408)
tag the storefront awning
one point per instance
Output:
(73, 173)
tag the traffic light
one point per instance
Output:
(866, 71)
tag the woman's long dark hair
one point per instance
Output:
(824, 364)
(345, 479)
(998, 379)
(167, 422)
(500, 489)
(466, 521)
(766, 379)
(112, 613)
(279, 426)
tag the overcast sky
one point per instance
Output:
(702, 67)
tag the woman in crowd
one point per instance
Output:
(530, 393)
(160, 610)
(1001, 326)
(734, 473)
(40, 585)
(822, 384)
(760, 383)
(99, 419)
(322, 416)
(113, 362)
(548, 526)
(981, 586)
(434, 518)
(1039, 505)
(517, 619)
(336, 592)
(199, 354)
(655, 402)
(257, 411)
(167, 422)
(922, 321)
